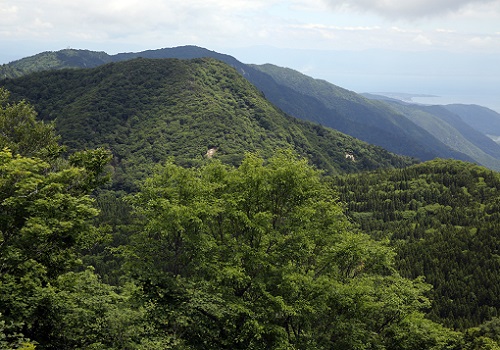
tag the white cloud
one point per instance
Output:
(443, 30)
(482, 42)
(126, 25)
(422, 40)
(9, 15)
(406, 8)
(405, 30)
(127, 17)
(8, 10)
(338, 28)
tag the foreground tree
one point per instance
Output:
(262, 257)
(46, 218)
(23, 134)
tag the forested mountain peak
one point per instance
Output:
(147, 110)
(51, 60)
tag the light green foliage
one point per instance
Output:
(89, 314)
(10, 338)
(95, 162)
(44, 216)
(261, 256)
(44, 220)
(22, 133)
(486, 336)
(417, 332)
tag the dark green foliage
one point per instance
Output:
(443, 219)
(146, 111)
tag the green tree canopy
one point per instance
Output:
(22, 133)
(261, 256)
(46, 217)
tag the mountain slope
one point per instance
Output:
(371, 121)
(148, 110)
(480, 118)
(329, 105)
(453, 131)
(449, 127)
(313, 100)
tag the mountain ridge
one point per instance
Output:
(481, 118)
(371, 121)
(146, 110)
(321, 102)
(453, 131)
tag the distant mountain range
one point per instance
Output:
(454, 131)
(451, 128)
(480, 118)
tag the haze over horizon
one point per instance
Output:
(447, 48)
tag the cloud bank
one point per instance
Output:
(406, 9)
(31, 26)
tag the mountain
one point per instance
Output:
(50, 60)
(75, 58)
(294, 93)
(449, 128)
(441, 217)
(480, 118)
(447, 125)
(371, 121)
(148, 110)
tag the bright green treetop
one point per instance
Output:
(262, 257)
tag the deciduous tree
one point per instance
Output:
(261, 256)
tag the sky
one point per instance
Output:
(448, 48)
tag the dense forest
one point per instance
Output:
(277, 241)
(443, 219)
